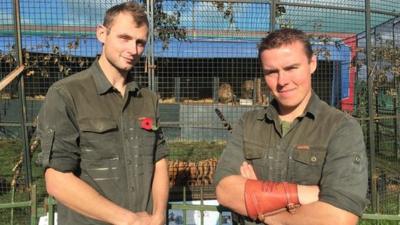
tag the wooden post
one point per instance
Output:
(10, 77)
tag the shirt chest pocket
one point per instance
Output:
(99, 138)
(305, 165)
(255, 152)
(147, 141)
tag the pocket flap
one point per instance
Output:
(253, 149)
(99, 125)
(312, 156)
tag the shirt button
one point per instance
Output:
(132, 188)
(313, 159)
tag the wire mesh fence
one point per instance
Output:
(204, 56)
(385, 107)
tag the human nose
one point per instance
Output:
(282, 78)
(133, 48)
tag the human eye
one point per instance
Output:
(141, 43)
(124, 38)
(292, 68)
(269, 72)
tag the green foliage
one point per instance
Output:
(10, 153)
(166, 24)
(195, 151)
(226, 8)
(385, 65)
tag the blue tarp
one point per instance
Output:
(198, 48)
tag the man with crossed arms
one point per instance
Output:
(298, 161)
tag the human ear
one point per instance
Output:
(101, 32)
(313, 64)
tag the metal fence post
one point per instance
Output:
(272, 14)
(396, 104)
(371, 112)
(215, 89)
(398, 207)
(21, 90)
(177, 92)
(150, 46)
(33, 205)
(50, 203)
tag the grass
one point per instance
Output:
(378, 222)
(10, 151)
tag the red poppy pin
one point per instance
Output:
(147, 123)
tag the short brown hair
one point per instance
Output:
(136, 10)
(285, 36)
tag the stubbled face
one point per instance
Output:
(287, 72)
(123, 42)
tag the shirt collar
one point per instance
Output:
(103, 85)
(314, 106)
(132, 86)
(312, 109)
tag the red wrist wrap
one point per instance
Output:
(262, 197)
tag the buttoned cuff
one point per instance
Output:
(63, 165)
(162, 152)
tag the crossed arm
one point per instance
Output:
(79, 196)
(311, 211)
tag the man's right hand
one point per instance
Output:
(139, 218)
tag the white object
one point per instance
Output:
(193, 217)
(244, 101)
(44, 220)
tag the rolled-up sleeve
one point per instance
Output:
(161, 148)
(58, 132)
(232, 157)
(344, 182)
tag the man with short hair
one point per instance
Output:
(298, 161)
(102, 147)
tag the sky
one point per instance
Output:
(247, 17)
(200, 15)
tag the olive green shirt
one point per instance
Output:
(323, 147)
(88, 128)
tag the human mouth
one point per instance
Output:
(286, 90)
(129, 60)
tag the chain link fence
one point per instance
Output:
(202, 56)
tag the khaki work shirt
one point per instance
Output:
(323, 147)
(88, 128)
